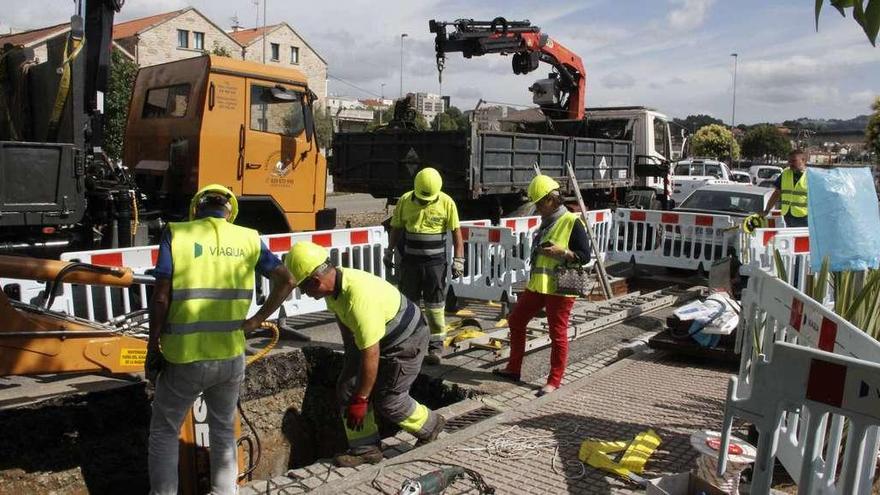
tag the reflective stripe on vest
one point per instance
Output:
(542, 278)
(402, 326)
(425, 245)
(793, 194)
(211, 289)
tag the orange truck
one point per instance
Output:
(245, 125)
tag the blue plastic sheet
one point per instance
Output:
(844, 219)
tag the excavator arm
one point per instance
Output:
(561, 96)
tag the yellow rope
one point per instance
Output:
(276, 334)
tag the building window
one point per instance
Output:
(294, 55)
(170, 101)
(275, 115)
(276, 50)
(198, 40)
(182, 38)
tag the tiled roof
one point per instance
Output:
(25, 38)
(135, 26)
(247, 36)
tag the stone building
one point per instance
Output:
(286, 48)
(172, 36)
(429, 105)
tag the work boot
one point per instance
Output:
(430, 437)
(433, 358)
(350, 459)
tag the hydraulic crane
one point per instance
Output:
(560, 96)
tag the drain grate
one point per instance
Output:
(470, 418)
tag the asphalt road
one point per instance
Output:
(347, 204)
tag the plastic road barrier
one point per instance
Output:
(793, 245)
(820, 391)
(672, 239)
(774, 312)
(490, 265)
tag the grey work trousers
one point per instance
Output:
(177, 388)
(399, 367)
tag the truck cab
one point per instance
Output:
(650, 133)
(244, 125)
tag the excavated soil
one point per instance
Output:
(97, 442)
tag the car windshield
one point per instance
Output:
(735, 202)
(766, 173)
(744, 178)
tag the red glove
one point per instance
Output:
(357, 411)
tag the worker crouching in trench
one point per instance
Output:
(561, 239)
(385, 339)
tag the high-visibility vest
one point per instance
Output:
(211, 289)
(542, 278)
(794, 194)
(425, 227)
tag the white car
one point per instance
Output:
(692, 174)
(740, 200)
(761, 173)
(740, 177)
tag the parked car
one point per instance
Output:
(763, 172)
(740, 176)
(692, 174)
(771, 182)
(740, 200)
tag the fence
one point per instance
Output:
(793, 246)
(684, 240)
(491, 262)
(772, 312)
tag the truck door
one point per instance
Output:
(222, 140)
(276, 147)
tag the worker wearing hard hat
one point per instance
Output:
(198, 318)
(419, 226)
(385, 340)
(561, 239)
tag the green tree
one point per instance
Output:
(122, 75)
(715, 141)
(444, 122)
(323, 128)
(461, 121)
(220, 51)
(872, 131)
(865, 12)
(765, 140)
(694, 122)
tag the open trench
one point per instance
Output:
(97, 442)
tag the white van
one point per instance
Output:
(760, 173)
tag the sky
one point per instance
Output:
(672, 55)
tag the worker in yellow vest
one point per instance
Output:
(791, 191)
(560, 239)
(198, 320)
(385, 340)
(420, 224)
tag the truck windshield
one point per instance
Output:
(734, 202)
(661, 137)
(275, 116)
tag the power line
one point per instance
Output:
(355, 86)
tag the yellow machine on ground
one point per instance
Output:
(35, 340)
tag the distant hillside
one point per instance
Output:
(854, 124)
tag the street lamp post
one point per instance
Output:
(381, 101)
(733, 116)
(402, 36)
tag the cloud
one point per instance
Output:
(618, 80)
(690, 14)
(864, 98)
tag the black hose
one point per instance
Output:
(254, 461)
(76, 266)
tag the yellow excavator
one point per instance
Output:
(35, 340)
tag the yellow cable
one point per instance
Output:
(276, 334)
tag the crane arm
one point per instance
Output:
(528, 46)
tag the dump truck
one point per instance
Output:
(191, 122)
(621, 155)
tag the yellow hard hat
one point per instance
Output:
(427, 184)
(303, 258)
(541, 186)
(217, 189)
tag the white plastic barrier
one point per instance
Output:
(31, 292)
(824, 391)
(491, 263)
(774, 311)
(793, 246)
(672, 239)
(360, 248)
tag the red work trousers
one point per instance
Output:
(558, 311)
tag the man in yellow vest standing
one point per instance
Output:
(198, 319)
(791, 191)
(422, 219)
(385, 340)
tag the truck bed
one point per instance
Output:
(473, 163)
